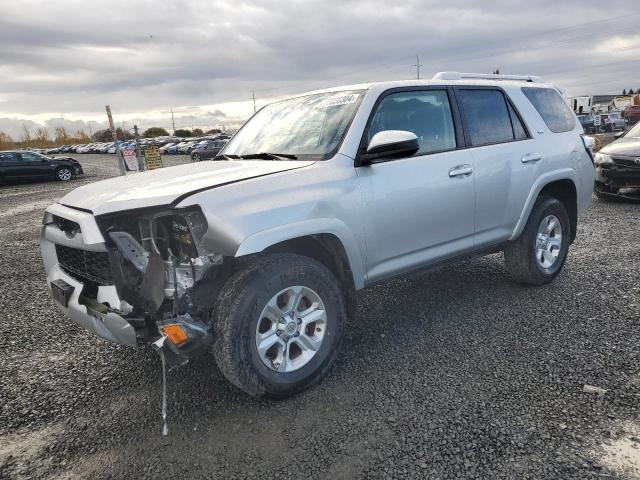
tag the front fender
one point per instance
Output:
(259, 241)
(541, 182)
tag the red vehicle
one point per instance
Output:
(632, 114)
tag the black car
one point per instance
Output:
(208, 150)
(22, 165)
(618, 166)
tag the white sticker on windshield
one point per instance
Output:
(339, 100)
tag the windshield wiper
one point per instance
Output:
(269, 156)
(226, 157)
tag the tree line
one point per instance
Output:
(41, 138)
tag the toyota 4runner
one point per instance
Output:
(259, 255)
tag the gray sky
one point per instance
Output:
(61, 62)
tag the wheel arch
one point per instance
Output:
(561, 185)
(332, 245)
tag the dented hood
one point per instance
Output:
(167, 185)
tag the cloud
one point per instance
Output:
(73, 57)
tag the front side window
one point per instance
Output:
(7, 157)
(309, 127)
(487, 117)
(425, 113)
(31, 157)
(552, 108)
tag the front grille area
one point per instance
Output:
(84, 265)
(628, 162)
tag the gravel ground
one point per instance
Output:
(454, 374)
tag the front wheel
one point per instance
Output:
(64, 174)
(279, 323)
(538, 255)
(196, 157)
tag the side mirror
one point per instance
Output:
(390, 144)
(620, 134)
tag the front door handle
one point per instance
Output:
(531, 158)
(461, 171)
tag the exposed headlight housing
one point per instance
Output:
(602, 159)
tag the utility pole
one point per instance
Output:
(418, 65)
(172, 122)
(112, 126)
(138, 151)
(253, 96)
(89, 128)
(124, 131)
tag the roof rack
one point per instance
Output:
(486, 76)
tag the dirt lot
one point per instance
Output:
(455, 374)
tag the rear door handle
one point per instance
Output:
(531, 158)
(461, 171)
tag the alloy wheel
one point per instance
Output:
(291, 329)
(64, 174)
(548, 241)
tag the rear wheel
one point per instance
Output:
(538, 255)
(196, 157)
(279, 324)
(64, 174)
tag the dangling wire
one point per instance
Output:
(165, 426)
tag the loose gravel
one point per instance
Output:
(458, 373)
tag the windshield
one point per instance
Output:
(634, 132)
(309, 127)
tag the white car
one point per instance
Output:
(261, 255)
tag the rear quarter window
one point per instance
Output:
(551, 107)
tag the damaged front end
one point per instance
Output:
(163, 271)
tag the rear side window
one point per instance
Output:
(487, 116)
(551, 107)
(6, 157)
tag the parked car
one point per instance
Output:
(207, 150)
(260, 257)
(632, 114)
(587, 122)
(186, 148)
(174, 149)
(613, 121)
(23, 165)
(618, 165)
(166, 146)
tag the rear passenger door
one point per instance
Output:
(9, 165)
(506, 161)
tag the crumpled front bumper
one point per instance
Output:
(618, 176)
(109, 326)
(106, 324)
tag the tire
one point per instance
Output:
(522, 257)
(64, 174)
(239, 317)
(196, 157)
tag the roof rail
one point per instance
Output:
(486, 76)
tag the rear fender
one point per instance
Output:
(541, 182)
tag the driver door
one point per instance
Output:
(418, 210)
(33, 166)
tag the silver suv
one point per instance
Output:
(259, 256)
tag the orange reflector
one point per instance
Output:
(176, 334)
